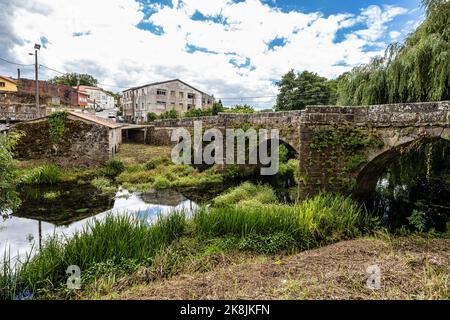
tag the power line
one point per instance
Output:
(17, 64)
(230, 99)
(61, 72)
(239, 98)
(302, 95)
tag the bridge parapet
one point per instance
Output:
(404, 114)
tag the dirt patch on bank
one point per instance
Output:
(411, 268)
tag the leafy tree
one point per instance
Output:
(244, 108)
(415, 71)
(151, 116)
(171, 114)
(302, 89)
(195, 113)
(74, 79)
(8, 174)
(217, 107)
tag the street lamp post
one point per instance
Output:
(36, 71)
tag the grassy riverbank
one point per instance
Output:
(124, 257)
(412, 267)
(119, 246)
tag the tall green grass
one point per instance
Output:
(113, 240)
(320, 220)
(261, 194)
(247, 216)
(48, 174)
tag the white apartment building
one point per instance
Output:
(162, 96)
(97, 97)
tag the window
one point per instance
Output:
(172, 103)
(181, 106)
(2, 84)
(142, 106)
(191, 96)
(189, 106)
(161, 92)
(181, 95)
(172, 94)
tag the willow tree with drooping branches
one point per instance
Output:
(416, 71)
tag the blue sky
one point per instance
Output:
(232, 49)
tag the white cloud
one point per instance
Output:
(394, 35)
(119, 53)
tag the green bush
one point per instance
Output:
(161, 183)
(151, 116)
(195, 113)
(103, 184)
(156, 162)
(113, 168)
(9, 197)
(417, 220)
(171, 114)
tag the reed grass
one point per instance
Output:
(322, 219)
(48, 174)
(114, 239)
(247, 216)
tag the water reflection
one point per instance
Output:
(22, 231)
(414, 190)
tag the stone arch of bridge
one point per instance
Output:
(394, 145)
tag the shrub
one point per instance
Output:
(161, 183)
(103, 184)
(417, 220)
(8, 172)
(171, 114)
(156, 162)
(151, 116)
(113, 168)
(195, 113)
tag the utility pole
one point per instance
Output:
(36, 71)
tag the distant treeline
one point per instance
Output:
(417, 70)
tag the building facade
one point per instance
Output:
(87, 140)
(7, 84)
(160, 97)
(97, 98)
(54, 95)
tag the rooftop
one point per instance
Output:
(95, 119)
(8, 79)
(162, 82)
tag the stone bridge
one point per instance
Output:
(342, 149)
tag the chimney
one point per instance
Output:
(18, 74)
